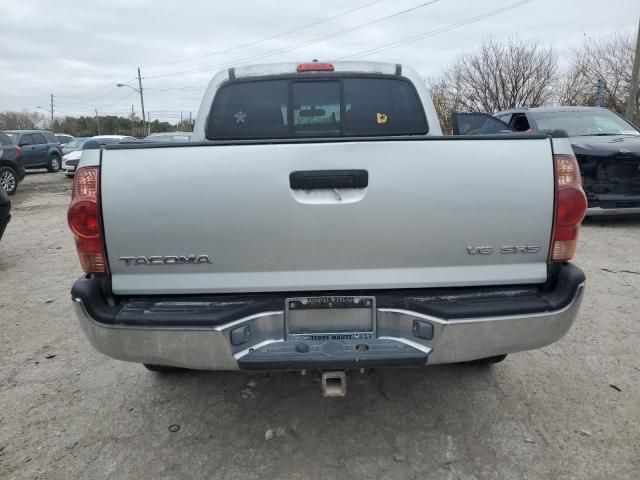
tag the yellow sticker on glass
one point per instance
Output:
(381, 118)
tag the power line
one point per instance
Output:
(432, 33)
(75, 102)
(93, 90)
(98, 101)
(184, 88)
(89, 92)
(273, 37)
(119, 100)
(415, 38)
(372, 51)
(296, 46)
(93, 105)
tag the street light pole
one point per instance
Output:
(50, 110)
(141, 100)
(139, 90)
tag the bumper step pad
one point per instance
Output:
(334, 354)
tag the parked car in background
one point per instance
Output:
(606, 145)
(71, 159)
(73, 145)
(63, 138)
(169, 137)
(5, 209)
(40, 149)
(11, 168)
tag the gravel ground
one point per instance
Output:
(571, 410)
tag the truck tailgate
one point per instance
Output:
(436, 212)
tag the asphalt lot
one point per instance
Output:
(571, 410)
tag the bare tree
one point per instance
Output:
(445, 101)
(609, 59)
(20, 120)
(501, 74)
(575, 89)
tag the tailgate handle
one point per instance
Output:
(329, 179)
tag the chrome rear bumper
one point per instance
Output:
(210, 348)
(603, 212)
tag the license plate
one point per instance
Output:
(331, 317)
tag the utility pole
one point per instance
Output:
(633, 87)
(149, 123)
(98, 121)
(51, 111)
(139, 90)
(141, 98)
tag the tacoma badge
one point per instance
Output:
(168, 260)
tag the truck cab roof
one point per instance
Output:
(382, 68)
(310, 70)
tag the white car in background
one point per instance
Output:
(63, 138)
(70, 160)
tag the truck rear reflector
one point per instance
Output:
(315, 67)
(84, 220)
(571, 207)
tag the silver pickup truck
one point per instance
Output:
(318, 219)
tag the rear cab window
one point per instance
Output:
(307, 107)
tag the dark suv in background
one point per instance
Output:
(606, 145)
(11, 169)
(40, 149)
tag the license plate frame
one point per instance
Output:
(330, 317)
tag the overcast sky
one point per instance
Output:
(79, 52)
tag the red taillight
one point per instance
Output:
(18, 149)
(571, 207)
(84, 220)
(315, 67)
